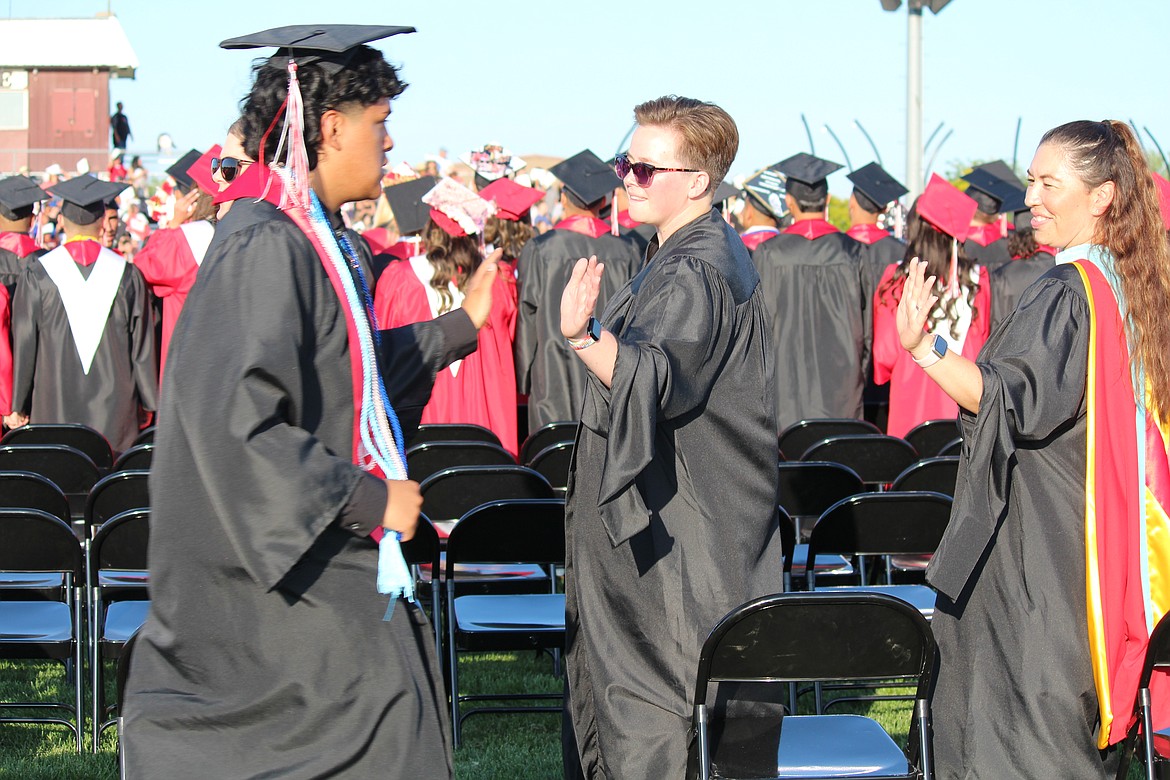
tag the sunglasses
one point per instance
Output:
(228, 167)
(643, 172)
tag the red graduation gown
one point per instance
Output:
(914, 397)
(482, 390)
(5, 354)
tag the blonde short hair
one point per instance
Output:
(710, 138)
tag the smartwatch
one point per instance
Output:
(938, 350)
(592, 335)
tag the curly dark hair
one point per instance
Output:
(367, 79)
(454, 259)
(508, 235)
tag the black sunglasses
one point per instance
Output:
(228, 167)
(643, 172)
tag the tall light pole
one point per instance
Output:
(914, 150)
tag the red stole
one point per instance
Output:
(753, 239)
(580, 223)
(810, 228)
(867, 233)
(983, 235)
(19, 244)
(84, 251)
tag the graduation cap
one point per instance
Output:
(875, 188)
(1002, 171)
(723, 192)
(766, 189)
(586, 178)
(491, 162)
(807, 176)
(405, 200)
(456, 209)
(18, 195)
(200, 170)
(85, 197)
(329, 45)
(945, 206)
(179, 173)
(989, 190)
(512, 200)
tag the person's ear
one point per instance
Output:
(699, 185)
(332, 124)
(1101, 198)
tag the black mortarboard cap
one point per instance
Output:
(723, 192)
(875, 188)
(988, 191)
(766, 190)
(330, 45)
(18, 195)
(178, 171)
(807, 176)
(405, 200)
(1001, 170)
(586, 177)
(85, 197)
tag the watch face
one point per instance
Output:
(595, 329)
(940, 346)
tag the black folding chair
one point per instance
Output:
(929, 437)
(145, 436)
(423, 460)
(545, 436)
(35, 541)
(117, 581)
(69, 469)
(1155, 744)
(553, 464)
(422, 552)
(451, 493)
(529, 532)
(137, 458)
(799, 436)
(114, 494)
(26, 490)
(876, 458)
(452, 432)
(808, 488)
(79, 437)
(859, 638)
(937, 474)
(123, 675)
(954, 447)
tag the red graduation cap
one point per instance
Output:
(200, 170)
(512, 200)
(448, 225)
(1163, 187)
(943, 205)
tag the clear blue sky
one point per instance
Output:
(539, 78)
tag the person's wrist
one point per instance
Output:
(921, 350)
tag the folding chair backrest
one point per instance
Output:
(931, 436)
(423, 460)
(451, 493)
(37, 541)
(953, 447)
(877, 458)
(518, 531)
(553, 464)
(79, 437)
(894, 523)
(25, 490)
(68, 468)
(145, 436)
(799, 436)
(818, 637)
(808, 488)
(137, 458)
(423, 547)
(545, 435)
(452, 432)
(936, 474)
(787, 539)
(117, 493)
(122, 541)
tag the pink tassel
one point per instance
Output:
(953, 281)
(614, 227)
(294, 133)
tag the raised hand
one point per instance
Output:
(580, 296)
(918, 299)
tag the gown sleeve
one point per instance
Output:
(5, 355)
(669, 356)
(1034, 376)
(886, 345)
(527, 326)
(142, 345)
(26, 308)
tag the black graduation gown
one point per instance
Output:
(1010, 280)
(671, 502)
(265, 653)
(49, 381)
(546, 369)
(12, 267)
(821, 324)
(991, 256)
(1014, 693)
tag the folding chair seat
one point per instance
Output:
(799, 436)
(452, 432)
(553, 463)
(545, 436)
(423, 460)
(69, 469)
(529, 532)
(117, 577)
(137, 458)
(857, 638)
(114, 494)
(35, 541)
(808, 488)
(1155, 750)
(79, 437)
(931, 436)
(876, 458)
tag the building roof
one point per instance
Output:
(67, 43)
